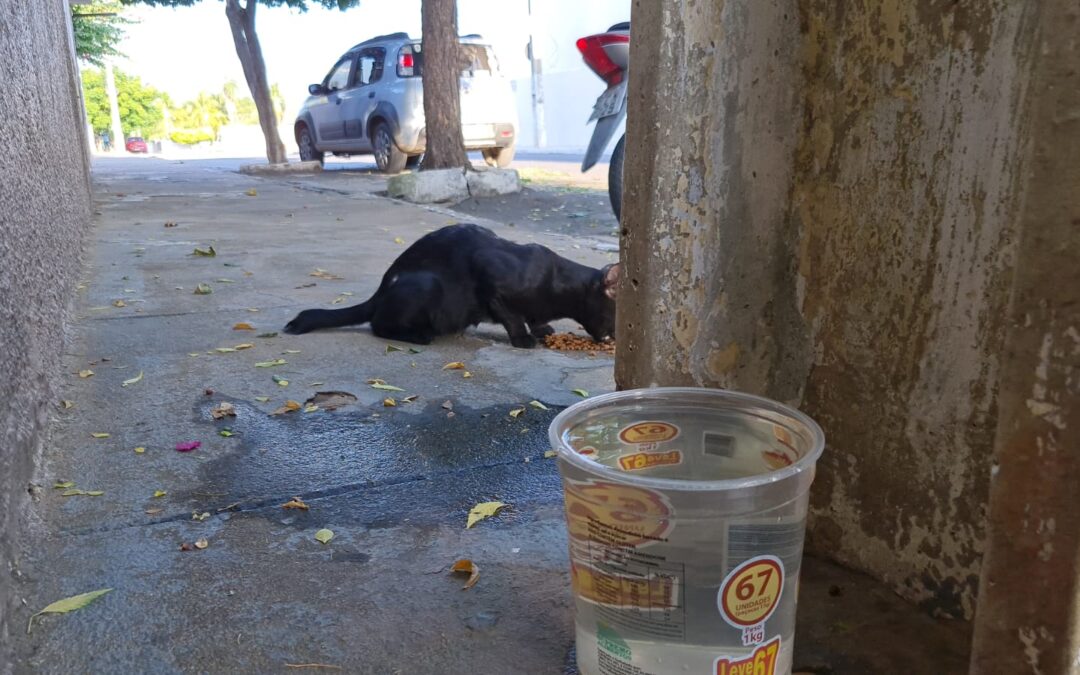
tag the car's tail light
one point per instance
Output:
(592, 50)
(406, 65)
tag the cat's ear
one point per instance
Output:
(611, 279)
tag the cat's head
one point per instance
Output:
(600, 317)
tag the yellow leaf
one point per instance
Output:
(133, 380)
(324, 536)
(262, 399)
(399, 240)
(454, 365)
(68, 604)
(389, 403)
(119, 303)
(295, 503)
(159, 493)
(549, 454)
(311, 408)
(466, 375)
(65, 404)
(243, 325)
(86, 373)
(243, 345)
(140, 450)
(251, 192)
(516, 412)
(64, 485)
(538, 405)
(290, 406)
(483, 510)
(466, 566)
(99, 434)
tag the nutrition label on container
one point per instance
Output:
(634, 590)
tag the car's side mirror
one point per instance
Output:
(316, 89)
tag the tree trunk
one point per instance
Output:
(242, 23)
(445, 147)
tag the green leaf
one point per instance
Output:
(64, 485)
(159, 493)
(68, 605)
(324, 536)
(281, 381)
(203, 289)
(94, 493)
(99, 434)
(207, 252)
(414, 350)
(225, 432)
(538, 405)
(580, 392)
(134, 380)
(271, 334)
(271, 364)
(262, 399)
(393, 348)
(386, 387)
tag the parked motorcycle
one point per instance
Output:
(608, 55)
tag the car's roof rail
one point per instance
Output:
(380, 38)
(625, 25)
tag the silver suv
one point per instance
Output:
(372, 100)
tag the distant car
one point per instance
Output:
(372, 100)
(136, 144)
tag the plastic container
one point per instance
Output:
(686, 511)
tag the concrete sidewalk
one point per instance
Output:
(393, 483)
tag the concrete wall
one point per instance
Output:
(833, 226)
(44, 213)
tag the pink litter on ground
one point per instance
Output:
(188, 446)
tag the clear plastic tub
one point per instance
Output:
(686, 510)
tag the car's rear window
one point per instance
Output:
(475, 59)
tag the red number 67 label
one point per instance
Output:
(751, 592)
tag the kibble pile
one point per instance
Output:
(568, 342)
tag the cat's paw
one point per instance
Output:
(541, 331)
(523, 342)
(299, 325)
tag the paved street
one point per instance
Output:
(394, 484)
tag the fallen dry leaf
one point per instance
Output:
(68, 605)
(251, 193)
(580, 392)
(140, 450)
(538, 405)
(119, 303)
(203, 289)
(310, 408)
(389, 403)
(324, 536)
(207, 252)
(243, 325)
(466, 566)
(243, 345)
(201, 543)
(281, 381)
(447, 405)
(323, 274)
(186, 547)
(195, 515)
(516, 412)
(295, 503)
(399, 240)
(290, 406)
(410, 398)
(466, 375)
(262, 399)
(159, 493)
(99, 434)
(65, 404)
(86, 373)
(63, 485)
(223, 409)
(271, 364)
(386, 387)
(224, 350)
(483, 510)
(548, 454)
(454, 365)
(153, 512)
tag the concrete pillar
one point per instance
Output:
(822, 203)
(1028, 618)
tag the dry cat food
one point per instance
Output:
(568, 342)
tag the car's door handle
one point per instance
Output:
(371, 94)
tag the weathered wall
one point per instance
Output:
(821, 203)
(44, 211)
(1029, 600)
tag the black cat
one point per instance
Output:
(461, 275)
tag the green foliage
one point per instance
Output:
(190, 137)
(204, 112)
(98, 29)
(140, 104)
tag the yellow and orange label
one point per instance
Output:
(649, 432)
(648, 460)
(751, 592)
(761, 662)
(620, 515)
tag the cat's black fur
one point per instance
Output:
(461, 275)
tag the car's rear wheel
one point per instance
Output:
(308, 152)
(388, 157)
(500, 157)
(615, 178)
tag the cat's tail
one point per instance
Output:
(314, 319)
